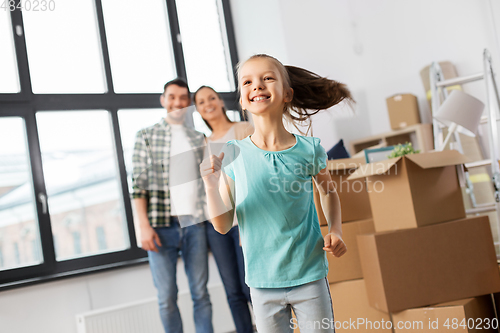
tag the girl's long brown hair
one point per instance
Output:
(311, 92)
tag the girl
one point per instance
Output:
(226, 248)
(269, 175)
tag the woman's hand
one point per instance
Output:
(210, 170)
(335, 245)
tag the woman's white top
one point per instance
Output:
(230, 135)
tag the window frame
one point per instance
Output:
(25, 104)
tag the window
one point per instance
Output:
(77, 83)
(81, 176)
(63, 49)
(8, 64)
(18, 217)
(139, 45)
(202, 29)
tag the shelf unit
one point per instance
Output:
(420, 135)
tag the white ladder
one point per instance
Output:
(439, 93)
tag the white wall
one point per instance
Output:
(377, 47)
(258, 28)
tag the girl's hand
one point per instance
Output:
(210, 171)
(335, 245)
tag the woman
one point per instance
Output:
(226, 248)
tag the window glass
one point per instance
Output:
(64, 51)
(233, 115)
(101, 238)
(81, 176)
(9, 83)
(77, 243)
(204, 42)
(140, 46)
(19, 234)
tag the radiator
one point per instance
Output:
(143, 316)
(137, 317)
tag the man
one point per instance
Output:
(168, 196)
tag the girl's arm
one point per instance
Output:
(330, 204)
(220, 193)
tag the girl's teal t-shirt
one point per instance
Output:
(279, 229)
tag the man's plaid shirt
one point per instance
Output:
(150, 178)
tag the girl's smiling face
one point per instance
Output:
(208, 104)
(262, 87)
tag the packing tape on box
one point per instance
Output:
(479, 178)
(450, 88)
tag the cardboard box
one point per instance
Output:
(414, 190)
(348, 267)
(317, 203)
(416, 267)
(295, 324)
(353, 313)
(403, 110)
(468, 315)
(496, 301)
(354, 201)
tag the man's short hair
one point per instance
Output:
(178, 82)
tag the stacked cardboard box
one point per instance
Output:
(348, 267)
(349, 297)
(414, 190)
(352, 311)
(429, 265)
(467, 315)
(356, 218)
(403, 110)
(352, 193)
(424, 251)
